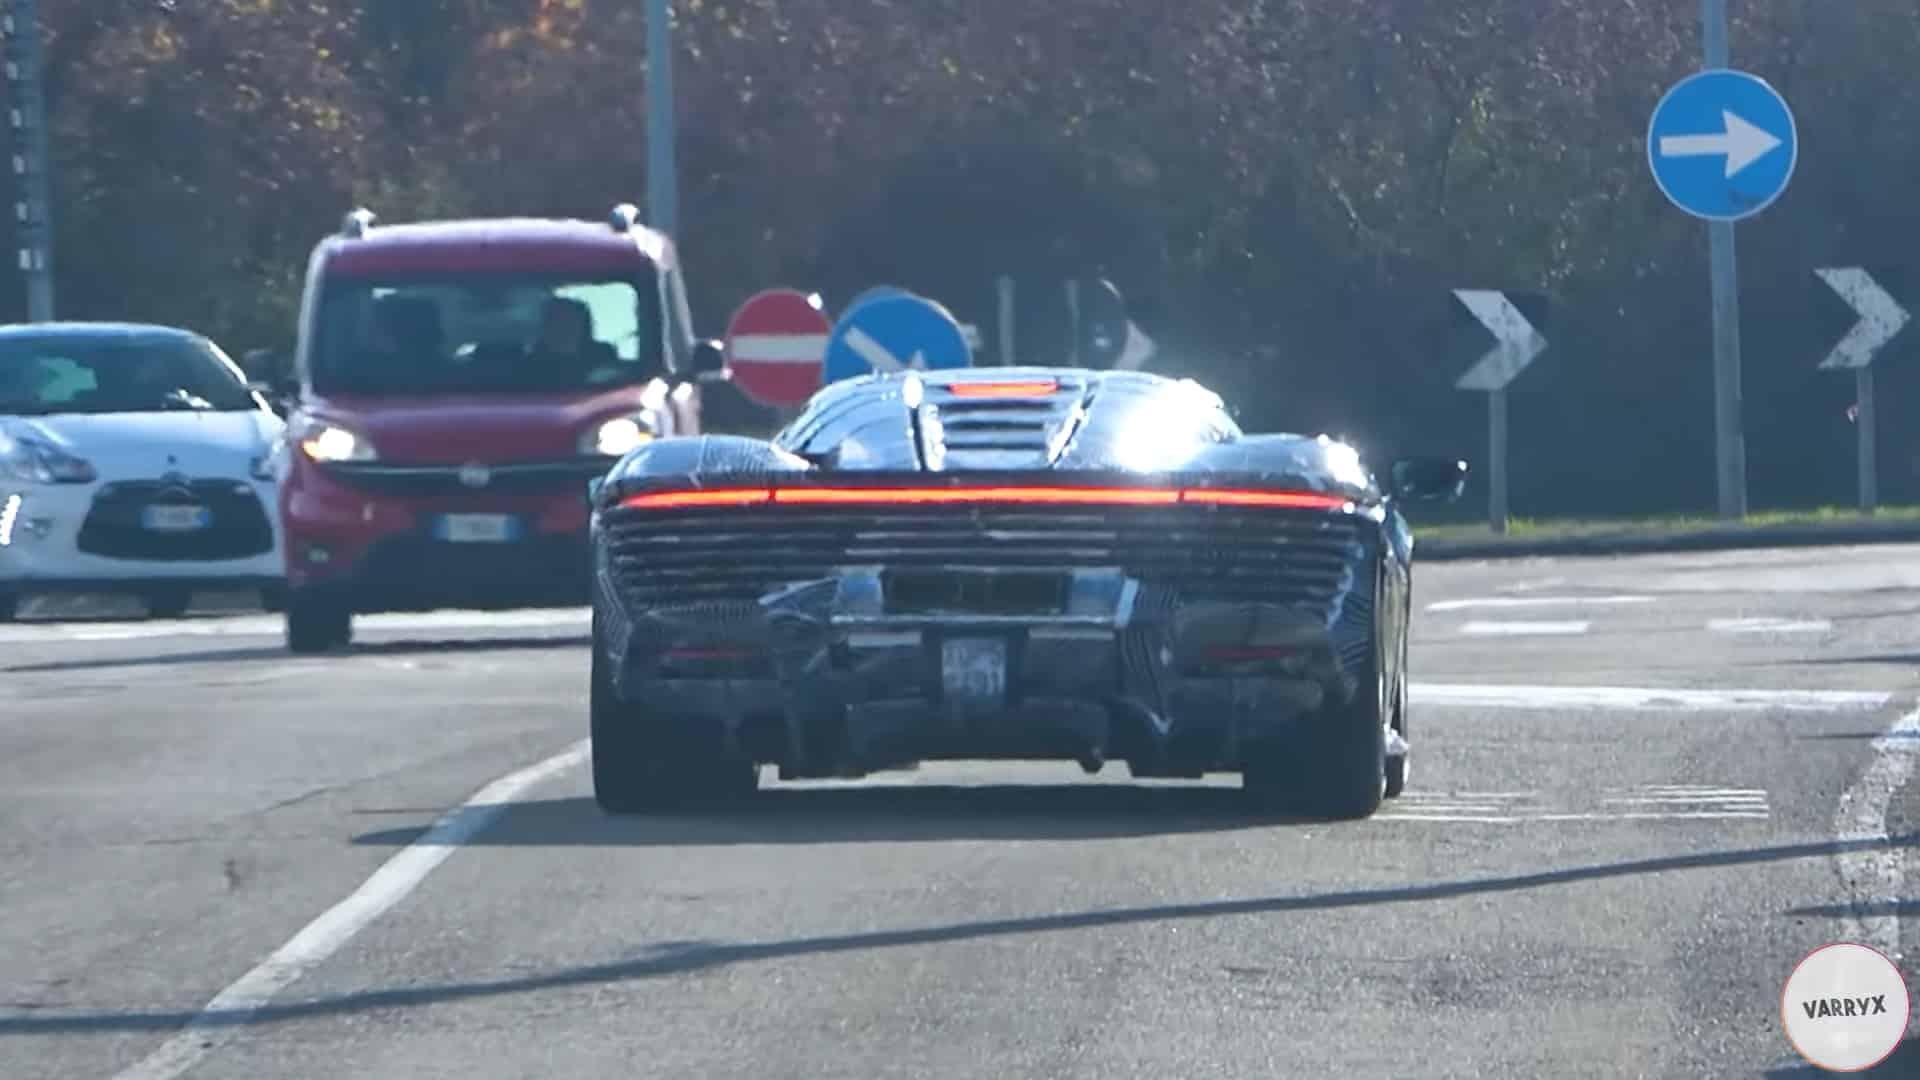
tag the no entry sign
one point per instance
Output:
(775, 344)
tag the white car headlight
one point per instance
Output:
(34, 462)
(330, 443)
(617, 437)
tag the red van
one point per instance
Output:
(458, 385)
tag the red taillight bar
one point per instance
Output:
(1305, 500)
(1100, 496)
(678, 500)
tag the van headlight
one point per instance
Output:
(617, 437)
(329, 444)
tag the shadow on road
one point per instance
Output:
(878, 814)
(1897, 659)
(276, 652)
(663, 959)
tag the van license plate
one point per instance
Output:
(476, 528)
(175, 518)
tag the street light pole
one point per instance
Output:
(1730, 444)
(32, 208)
(663, 197)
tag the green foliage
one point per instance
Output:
(1290, 186)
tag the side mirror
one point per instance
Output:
(279, 394)
(1429, 479)
(709, 358)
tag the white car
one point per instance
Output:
(134, 459)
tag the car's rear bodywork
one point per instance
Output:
(1002, 563)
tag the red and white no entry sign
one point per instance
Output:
(775, 344)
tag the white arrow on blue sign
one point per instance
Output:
(895, 332)
(1722, 145)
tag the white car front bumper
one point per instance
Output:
(41, 549)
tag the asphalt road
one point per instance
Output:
(1643, 790)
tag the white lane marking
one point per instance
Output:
(1536, 602)
(1648, 699)
(1524, 629)
(273, 626)
(1757, 798)
(212, 1027)
(1875, 876)
(1769, 626)
(1654, 802)
(1554, 818)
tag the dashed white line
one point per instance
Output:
(212, 1028)
(1874, 877)
(1524, 629)
(1536, 602)
(1644, 699)
(1769, 626)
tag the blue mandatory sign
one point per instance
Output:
(897, 332)
(1722, 145)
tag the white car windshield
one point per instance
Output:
(68, 373)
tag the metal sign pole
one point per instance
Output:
(1497, 460)
(1729, 439)
(1073, 322)
(33, 209)
(1869, 481)
(663, 196)
(1005, 285)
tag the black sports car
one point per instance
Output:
(1005, 563)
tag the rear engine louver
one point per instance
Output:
(1023, 429)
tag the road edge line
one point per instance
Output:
(1873, 875)
(212, 1027)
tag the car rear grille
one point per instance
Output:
(238, 528)
(526, 478)
(671, 557)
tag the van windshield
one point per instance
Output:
(485, 333)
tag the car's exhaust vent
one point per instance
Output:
(1016, 423)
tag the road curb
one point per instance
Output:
(1727, 538)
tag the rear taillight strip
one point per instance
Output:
(1097, 496)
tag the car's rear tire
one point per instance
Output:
(641, 765)
(316, 622)
(1336, 769)
(1400, 765)
(168, 603)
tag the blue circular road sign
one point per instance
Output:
(1722, 145)
(895, 332)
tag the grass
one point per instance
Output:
(1520, 529)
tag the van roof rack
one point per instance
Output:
(357, 222)
(624, 217)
